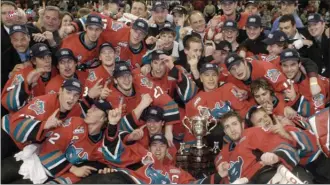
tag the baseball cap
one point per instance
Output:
(140, 24)
(229, 24)
(158, 137)
(72, 84)
(223, 45)
(94, 20)
(232, 59)
(18, 28)
(156, 53)
(154, 112)
(275, 37)
(224, 1)
(254, 21)
(159, 4)
(121, 68)
(250, 2)
(106, 44)
(288, 1)
(208, 66)
(40, 50)
(105, 106)
(289, 54)
(65, 53)
(315, 18)
(180, 9)
(168, 26)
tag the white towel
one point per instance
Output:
(31, 168)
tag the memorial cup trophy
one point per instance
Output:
(199, 158)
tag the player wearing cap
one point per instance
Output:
(251, 7)
(158, 18)
(66, 65)
(230, 34)
(250, 153)
(304, 141)
(130, 89)
(244, 72)
(290, 64)
(84, 45)
(179, 18)
(31, 123)
(77, 143)
(142, 165)
(253, 45)
(30, 81)
(319, 51)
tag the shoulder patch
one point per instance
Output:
(318, 100)
(146, 82)
(272, 75)
(91, 76)
(116, 26)
(67, 122)
(38, 107)
(17, 80)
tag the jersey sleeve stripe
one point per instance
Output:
(11, 102)
(288, 154)
(6, 123)
(52, 159)
(24, 128)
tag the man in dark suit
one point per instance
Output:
(7, 9)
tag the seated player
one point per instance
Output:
(291, 68)
(311, 157)
(66, 65)
(29, 82)
(250, 153)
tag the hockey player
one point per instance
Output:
(141, 165)
(75, 143)
(84, 45)
(290, 64)
(29, 82)
(31, 123)
(66, 65)
(127, 89)
(304, 141)
(250, 152)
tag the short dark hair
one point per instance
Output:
(229, 115)
(53, 8)
(141, 1)
(288, 17)
(196, 39)
(260, 83)
(8, 3)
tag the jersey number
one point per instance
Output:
(158, 91)
(55, 137)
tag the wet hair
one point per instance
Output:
(260, 83)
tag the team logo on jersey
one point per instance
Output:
(146, 82)
(117, 26)
(17, 80)
(38, 107)
(220, 109)
(76, 155)
(148, 159)
(318, 100)
(79, 130)
(52, 92)
(204, 111)
(156, 176)
(91, 76)
(122, 44)
(79, 57)
(273, 74)
(235, 169)
(67, 122)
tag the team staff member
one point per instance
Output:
(85, 45)
(66, 65)
(31, 123)
(30, 81)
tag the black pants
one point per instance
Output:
(111, 178)
(320, 168)
(8, 147)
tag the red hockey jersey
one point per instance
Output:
(69, 145)
(95, 75)
(55, 83)
(17, 93)
(27, 125)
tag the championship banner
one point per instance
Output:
(320, 123)
(284, 176)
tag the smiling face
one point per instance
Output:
(124, 82)
(233, 128)
(287, 8)
(67, 67)
(93, 32)
(290, 68)
(20, 41)
(159, 15)
(67, 99)
(240, 71)
(230, 35)
(136, 36)
(158, 149)
(138, 9)
(51, 20)
(274, 49)
(229, 8)
(197, 22)
(261, 119)
(288, 28)
(209, 79)
(316, 29)
(158, 68)
(154, 127)
(43, 63)
(167, 37)
(66, 20)
(107, 56)
(253, 32)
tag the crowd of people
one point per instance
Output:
(101, 91)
